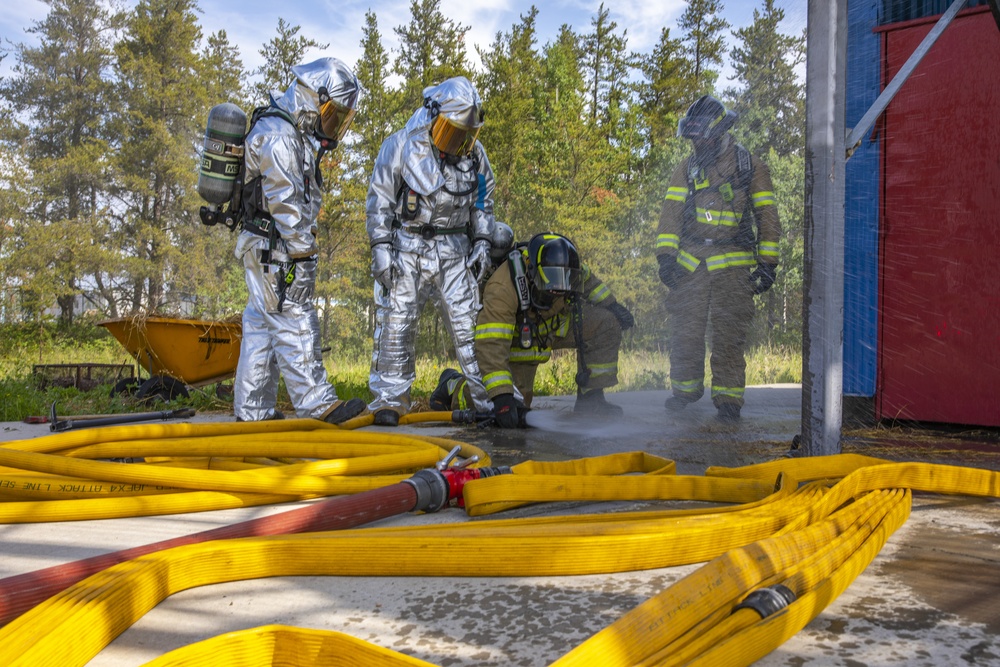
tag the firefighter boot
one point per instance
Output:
(729, 413)
(594, 403)
(341, 411)
(386, 417)
(441, 396)
(675, 404)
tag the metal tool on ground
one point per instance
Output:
(44, 419)
(66, 424)
(429, 490)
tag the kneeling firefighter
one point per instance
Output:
(542, 299)
(277, 244)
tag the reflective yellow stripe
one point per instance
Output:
(716, 262)
(528, 356)
(498, 379)
(599, 293)
(689, 386)
(763, 198)
(671, 241)
(561, 325)
(687, 260)
(677, 194)
(768, 249)
(735, 392)
(494, 330)
(462, 403)
(716, 218)
(603, 369)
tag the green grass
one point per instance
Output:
(21, 397)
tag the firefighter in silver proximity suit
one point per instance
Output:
(430, 223)
(277, 244)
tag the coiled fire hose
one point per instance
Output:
(795, 533)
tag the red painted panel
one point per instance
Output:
(939, 358)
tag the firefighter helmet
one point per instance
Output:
(554, 266)
(502, 241)
(706, 119)
(458, 115)
(332, 95)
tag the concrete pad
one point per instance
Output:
(932, 597)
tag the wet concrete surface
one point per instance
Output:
(929, 598)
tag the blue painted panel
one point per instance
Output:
(862, 205)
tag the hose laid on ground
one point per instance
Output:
(810, 540)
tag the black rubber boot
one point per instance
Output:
(441, 398)
(675, 404)
(386, 417)
(729, 413)
(594, 403)
(344, 410)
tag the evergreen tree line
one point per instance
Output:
(103, 122)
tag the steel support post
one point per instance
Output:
(823, 307)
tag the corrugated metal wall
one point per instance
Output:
(862, 185)
(939, 354)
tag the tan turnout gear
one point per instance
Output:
(505, 363)
(732, 226)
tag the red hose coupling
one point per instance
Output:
(437, 487)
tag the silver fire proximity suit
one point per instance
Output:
(430, 222)
(277, 243)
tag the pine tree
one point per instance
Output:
(668, 88)
(703, 39)
(379, 103)
(162, 117)
(15, 223)
(431, 49)
(222, 70)
(281, 53)
(509, 85)
(770, 99)
(62, 88)
(607, 67)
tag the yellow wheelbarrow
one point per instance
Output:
(177, 353)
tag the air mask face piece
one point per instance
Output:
(451, 138)
(334, 118)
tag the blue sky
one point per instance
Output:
(250, 23)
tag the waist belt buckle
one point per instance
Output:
(428, 231)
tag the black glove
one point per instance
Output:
(625, 319)
(762, 277)
(506, 411)
(668, 270)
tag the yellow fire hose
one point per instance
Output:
(786, 538)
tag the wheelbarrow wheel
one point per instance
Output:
(161, 387)
(124, 387)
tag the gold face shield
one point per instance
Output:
(451, 138)
(334, 119)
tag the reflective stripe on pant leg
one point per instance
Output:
(602, 337)
(687, 308)
(732, 313)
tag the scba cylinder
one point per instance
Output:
(222, 152)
